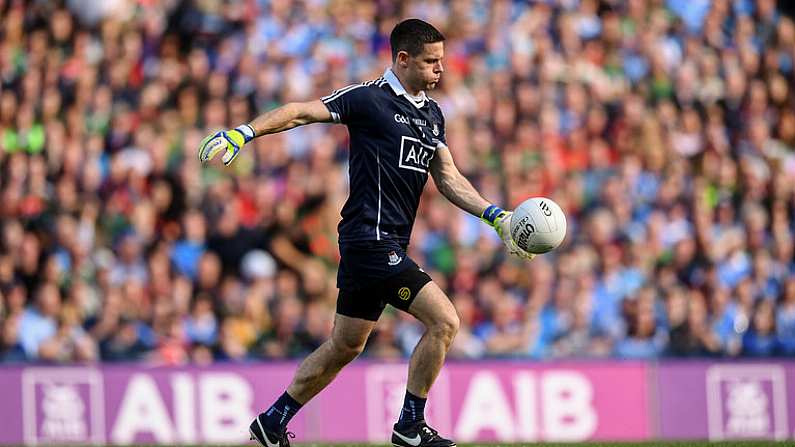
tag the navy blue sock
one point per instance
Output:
(413, 410)
(279, 414)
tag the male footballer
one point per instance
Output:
(397, 137)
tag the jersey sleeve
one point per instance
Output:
(442, 137)
(348, 103)
(442, 131)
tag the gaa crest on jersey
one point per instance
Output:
(435, 130)
(394, 259)
(415, 155)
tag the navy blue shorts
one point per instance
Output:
(373, 274)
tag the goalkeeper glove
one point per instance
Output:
(229, 140)
(500, 220)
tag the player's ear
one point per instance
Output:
(402, 58)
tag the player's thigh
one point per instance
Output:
(350, 334)
(434, 309)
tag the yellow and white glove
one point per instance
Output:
(230, 141)
(500, 220)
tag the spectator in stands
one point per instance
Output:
(785, 318)
(38, 322)
(760, 340)
(644, 340)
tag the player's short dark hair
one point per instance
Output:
(411, 35)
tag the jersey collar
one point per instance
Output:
(393, 81)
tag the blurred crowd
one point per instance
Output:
(665, 130)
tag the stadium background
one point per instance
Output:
(665, 129)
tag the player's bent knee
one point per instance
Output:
(345, 351)
(447, 327)
(456, 324)
(452, 325)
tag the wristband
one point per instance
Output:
(491, 213)
(247, 131)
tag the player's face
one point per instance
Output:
(426, 69)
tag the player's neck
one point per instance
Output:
(406, 86)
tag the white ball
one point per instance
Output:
(538, 225)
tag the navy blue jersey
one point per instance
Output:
(393, 138)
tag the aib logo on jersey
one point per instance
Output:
(415, 155)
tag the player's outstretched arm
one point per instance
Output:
(458, 190)
(453, 185)
(280, 119)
